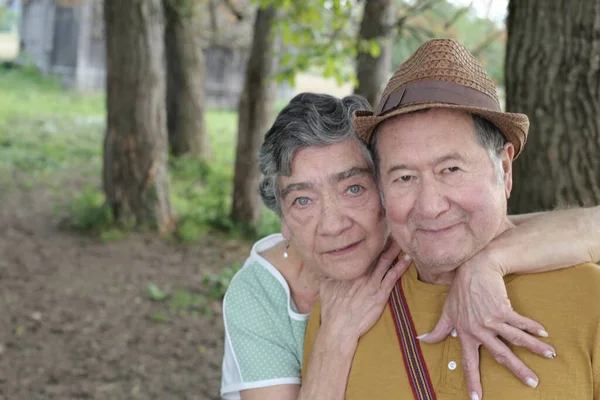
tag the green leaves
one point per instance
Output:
(316, 36)
(155, 294)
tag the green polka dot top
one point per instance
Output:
(264, 333)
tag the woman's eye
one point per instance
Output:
(302, 201)
(355, 189)
(450, 169)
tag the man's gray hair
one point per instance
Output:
(489, 136)
(309, 120)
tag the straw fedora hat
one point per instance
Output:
(443, 74)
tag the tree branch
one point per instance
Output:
(413, 11)
(238, 14)
(213, 19)
(486, 42)
(460, 12)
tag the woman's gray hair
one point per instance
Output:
(309, 120)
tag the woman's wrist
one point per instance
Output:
(341, 339)
(337, 338)
(489, 258)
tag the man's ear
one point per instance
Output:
(507, 156)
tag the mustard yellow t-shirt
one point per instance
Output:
(566, 302)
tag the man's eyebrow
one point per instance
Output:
(293, 187)
(349, 173)
(447, 157)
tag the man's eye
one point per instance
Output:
(406, 178)
(355, 190)
(302, 201)
(450, 169)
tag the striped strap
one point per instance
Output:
(414, 362)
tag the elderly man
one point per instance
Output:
(444, 151)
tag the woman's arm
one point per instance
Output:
(348, 309)
(478, 305)
(327, 372)
(548, 241)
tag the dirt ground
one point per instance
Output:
(75, 316)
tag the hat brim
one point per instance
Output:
(514, 126)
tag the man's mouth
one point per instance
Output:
(439, 230)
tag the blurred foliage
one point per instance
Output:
(8, 18)
(481, 36)
(318, 35)
(217, 284)
(321, 35)
(53, 138)
(180, 302)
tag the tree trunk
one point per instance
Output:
(553, 76)
(185, 79)
(255, 116)
(373, 73)
(135, 153)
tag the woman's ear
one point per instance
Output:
(285, 230)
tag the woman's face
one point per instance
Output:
(331, 210)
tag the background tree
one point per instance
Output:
(426, 19)
(185, 78)
(255, 114)
(374, 66)
(135, 151)
(553, 76)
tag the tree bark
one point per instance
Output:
(553, 75)
(135, 153)
(255, 114)
(373, 72)
(185, 79)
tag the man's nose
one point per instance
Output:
(432, 200)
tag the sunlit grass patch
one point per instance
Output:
(54, 138)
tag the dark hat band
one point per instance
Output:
(436, 92)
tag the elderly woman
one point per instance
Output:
(334, 246)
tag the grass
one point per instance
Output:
(184, 302)
(53, 138)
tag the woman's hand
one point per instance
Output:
(350, 308)
(479, 309)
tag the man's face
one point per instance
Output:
(331, 210)
(444, 200)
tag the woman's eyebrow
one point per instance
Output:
(349, 173)
(333, 178)
(294, 187)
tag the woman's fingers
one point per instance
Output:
(470, 366)
(394, 273)
(440, 332)
(504, 356)
(526, 324)
(385, 260)
(522, 339)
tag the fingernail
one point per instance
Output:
(474, 396)
(423, 336)
(406, 257)
(551, 354)
(542, 333)
(531, 382)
